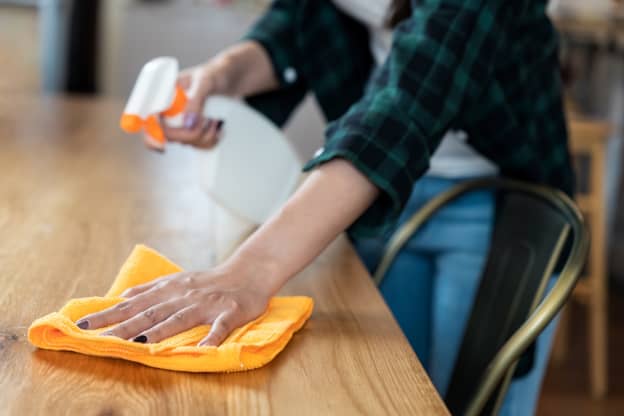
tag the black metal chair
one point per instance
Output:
(533, 226)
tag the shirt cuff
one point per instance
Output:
(283, 67)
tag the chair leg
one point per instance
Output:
(598, 345)
(598, 299)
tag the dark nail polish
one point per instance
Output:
(83, 324)
(219, 125)
(141, 339)
(207, 125)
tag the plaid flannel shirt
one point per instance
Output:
(488, 67)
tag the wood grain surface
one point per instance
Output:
(76, 195)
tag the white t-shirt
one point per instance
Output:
(454, 158)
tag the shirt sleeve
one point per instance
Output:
(274, 31)
(442, 58)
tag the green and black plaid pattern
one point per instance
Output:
(488, 67)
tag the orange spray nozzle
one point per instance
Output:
(132, 123)
(178, 104)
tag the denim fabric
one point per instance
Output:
(431, 285)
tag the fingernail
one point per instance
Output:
(106, 334)
(190, 120)
(219, 125)
(141, 339)
(83, 324)
(207, 125)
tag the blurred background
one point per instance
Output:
(97, 47)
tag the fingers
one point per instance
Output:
(225, 323)
(211, 135)
(204, 86)
(153, 144)
(204, 135)
(122, 311)
(183, 319)
(175, 303)
(150, 317)
(199, 82)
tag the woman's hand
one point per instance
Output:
(211, 78)
(238, 291)
(178, 302)
(241, 70)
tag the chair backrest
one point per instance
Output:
(528, 236)
(532, 226)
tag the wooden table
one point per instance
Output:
(76, 195)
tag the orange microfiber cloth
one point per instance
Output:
(248, 347)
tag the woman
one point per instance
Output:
(485, 70)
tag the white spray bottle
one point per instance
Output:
(250, 173)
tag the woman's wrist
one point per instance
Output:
(243, 69)
(331, 198)
(253, 270)
(223, 70)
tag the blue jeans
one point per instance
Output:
(432, 282)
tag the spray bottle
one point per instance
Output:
(249, 174)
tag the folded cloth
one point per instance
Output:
(251, 346)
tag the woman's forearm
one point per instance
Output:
(229, 296)
(249, 69)
(331, 198)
